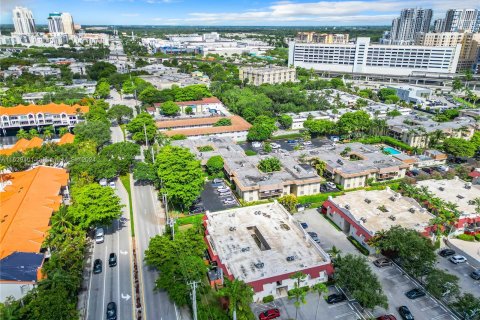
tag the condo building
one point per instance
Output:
(271, 75)
(410, 22)
(462, 20)
(328, 38)
(366, 58)
(23, 21)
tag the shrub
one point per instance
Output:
(268, 299)
(178, 137)
(466, 237)
(205, 148)
(215, 166)
(358, 245)
(269, 165)
(477, 237)
(250, 152)
(223, 122)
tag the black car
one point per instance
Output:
(415, 293)
(475, 274)
(446, 252)
(112, 259)
(427, 170)
(336, 298)
(197, 209)
(111, 311)
(405, 313)
(97, 266)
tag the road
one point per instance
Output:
(149, 222)
(114, 283)
(116, 98)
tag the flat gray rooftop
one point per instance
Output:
(254, 242)
(364, 208)
(412, 122)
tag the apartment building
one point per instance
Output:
(263, 246)
(41, 115)
(470, 46)
(271, 75)
(465, 20)
(415, 130)
(327, 38)
(410, 22)
(366, 58)
(362, 214)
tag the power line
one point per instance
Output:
(193, 285)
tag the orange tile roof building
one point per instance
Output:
(199, 127)
(23, 145)
(28, 199)
(41, 115)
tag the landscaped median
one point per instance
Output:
(125, 179)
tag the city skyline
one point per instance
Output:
(241, 13)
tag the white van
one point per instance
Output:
(99, 235)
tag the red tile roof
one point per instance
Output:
(52, 108)
(238, 124)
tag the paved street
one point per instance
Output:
(114, 283)
(117, 134)
(394, 282)
(148, 223)
(116, 98)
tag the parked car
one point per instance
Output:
(269, 314)
(275, 145)
(196, 210)
(387, 317)
(218, 184)
(112, 185)
(229, 202)
(314, 236)
(197, 201)
(383, 262)
(217, 180)
(304, 225)
(405, 313)
(307, 143)
(112, 260)
(331, 185)
(97, 266)
(446, 252)
(457, 259)
(292, 141)
(427, 170)
(475, 274)
(225, 194)
(223, 189)
(415, 293)
(99, 235)
(336, 298)
(111, 311)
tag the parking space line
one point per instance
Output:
(343, 315)
(429, 308)
(337, 305)
(443, 315)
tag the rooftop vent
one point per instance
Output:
(245, 249)
(347, 206)
(290, 258)
(393, 198)
(459, 196)
(412, 210)
(392, 217)
(259, 265)
(363, 219)
(257, 213)
(368, 200)
(441, 189)
(468, 185)
(232, 228)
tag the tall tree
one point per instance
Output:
(119, 112)
(95, 131)
(240, 296)
(298, 293)
(142, 124)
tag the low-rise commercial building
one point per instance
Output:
(197, 127)
(416, 95)
(366, 58)
(41, 115)
(362, 214)
(166, 81)
(264, 246)
(271, 75)
(416, 130)
(211, 105)
(461, 193)
(28, 199)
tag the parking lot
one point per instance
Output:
(315, 308)
(213, 201)
(394, 282)
(315, 143)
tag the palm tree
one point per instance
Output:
(334, 252)
(47, 134)
(319, 288)
(476, 203)
(240, 295)
(32, 133)
(63, 131)
(298, 293)
(435, 137)
(22, 134)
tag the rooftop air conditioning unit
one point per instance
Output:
(347, 206)
(412, 210)
(393, 198)
(368, 200)
(392, 217)
(441, 189)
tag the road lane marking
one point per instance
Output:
(441, 316)
(104, 278)
(118, 267)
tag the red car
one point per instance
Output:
(387, 317)
(269, 314)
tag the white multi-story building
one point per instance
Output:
(367, 58)
(467, 20)
(439, 25)
(61, 23)
(410, 22)
(68, 25)
(23, 21)
(272, 75)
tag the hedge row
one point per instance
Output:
(388, 140)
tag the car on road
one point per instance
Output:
(336, 298)
(197, 209)
(269, 314)
(304, 225)
(218, 184)
(111, 184)
(314, 236)
(223, 189)
(227, 195)
(383, 262)
(112, 260)
(415, 293)
(475, 274)
(427, 170)
(446, 252)
(97, 266)
(457, 259)
(387, 317)
(111, 311)
(99, 235)
(292, 141)
(405, 313)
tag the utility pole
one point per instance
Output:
(170, 221)
(193, 284)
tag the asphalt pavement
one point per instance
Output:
(113, 283)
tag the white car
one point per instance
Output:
(256, 144)
(275, 145)
(223, 189)
(307, 143)
(331, 185)
(112, 184)
(457, 259)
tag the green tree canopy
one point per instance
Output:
(121, 155)
(181, 174)
(94, 205)
(240, 296)
(215, 166)
(270, 165)
(96, 131)
(119, 112)
(320, 127)
(170, 108)
(144, 172)
(141, 123)
(223, 122)
(103, 89)
(100, 70)
(459, 147)
(285, 121)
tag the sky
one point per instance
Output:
(229, 12)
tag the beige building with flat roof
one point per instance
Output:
(470, 45)
(271, 75)
(328, 38)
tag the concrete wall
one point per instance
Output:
(16, 290)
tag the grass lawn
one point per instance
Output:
(126, 183)
(464, 102)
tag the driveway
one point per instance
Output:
(394, 282)
(212, 201)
